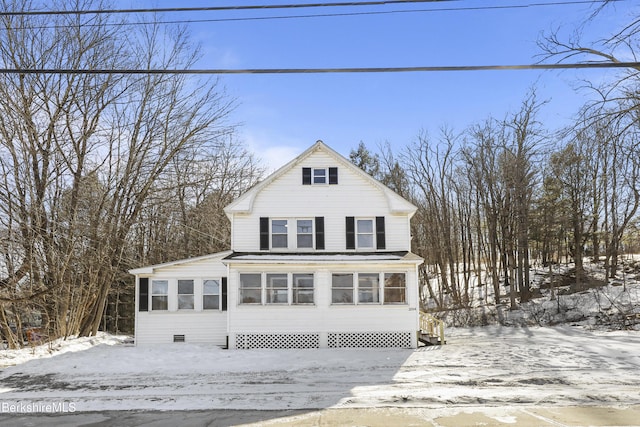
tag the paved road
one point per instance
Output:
(374, 417)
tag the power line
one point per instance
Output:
(560, 66)
(218, 8)
(342, 14)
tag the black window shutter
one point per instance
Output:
(143, 294)
(333, 175)
(351, 232)
(224, 294)
(306, 176)
(264, 233)
(380, 237)
(319, 232)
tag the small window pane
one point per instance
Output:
(279, 226)
(365, 226)
(160, 287)
(368, 288)
(211, 287)
(185, 302)
(185, 286)
(319, 176)
(159, 303)
(279, 241)
(365, 240)
(305, 226)
(210, 302)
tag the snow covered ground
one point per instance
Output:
(479, 367)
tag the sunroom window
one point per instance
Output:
(395, 288)
(303, 289)
(368, 288)
(250, 289)
(210, 295)
(277, 289)
(185, 294)
(159, 295)
(342, 288)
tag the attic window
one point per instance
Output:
(319, 176)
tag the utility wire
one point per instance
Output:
(579, 65)
(218, 8)
(342, 14)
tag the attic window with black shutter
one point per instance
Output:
(319, 176)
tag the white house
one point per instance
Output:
(320, 257)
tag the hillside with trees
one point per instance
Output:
(101, 173)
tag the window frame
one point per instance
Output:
(388, 275)
(250, 288)
(352, 301)
(293, 290)
(273, 234)
(216, 295)
(311, 233)
(153, 294)
(375, 291)
(359, 233)
(297, 289)
(272, 291)
(324, 176)
(179, 294)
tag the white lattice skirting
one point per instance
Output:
(249, 341)
(335, 340)
(370, 340)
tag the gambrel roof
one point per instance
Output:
(244, 203)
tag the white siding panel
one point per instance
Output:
(354, 195)
(323, 317)
(197, 327)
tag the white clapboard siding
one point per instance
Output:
(323, 316)
(197, 327)
(354, 195)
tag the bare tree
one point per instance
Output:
(83, 155)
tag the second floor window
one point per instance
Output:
(289, 234)
(279, 237)
(364, 233)
(305, 233)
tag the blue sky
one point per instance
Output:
(282, 115)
